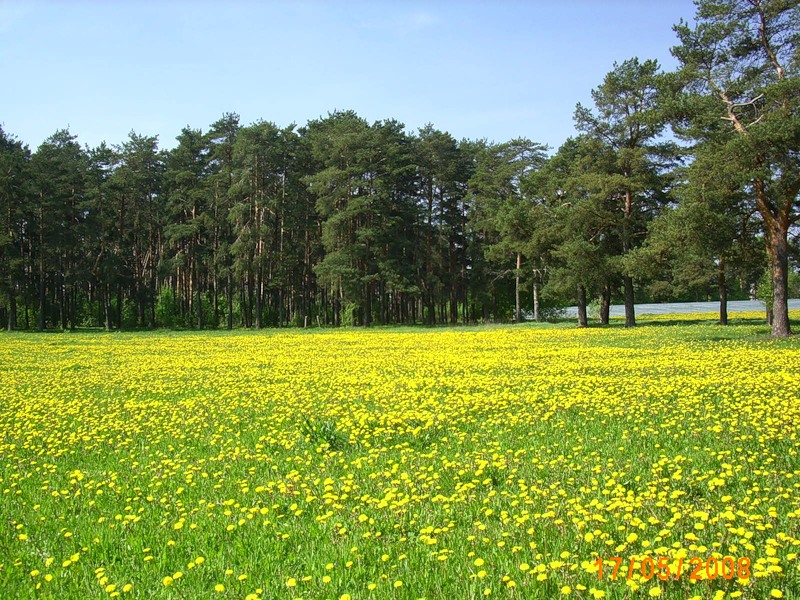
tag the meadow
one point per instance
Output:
(508, 462)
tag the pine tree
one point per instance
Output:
(628, 123)
(740, 68)
(14, 198)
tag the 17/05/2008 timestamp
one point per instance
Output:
(665, 568)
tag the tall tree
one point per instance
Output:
(394, 218)
(581, 225)
(443, 173)
(740, 66)
(138, 182)
(221, 139)
(14, 197)
(189, 216)
(628, 121)
(60, 170)
(502, 210)
(707, 241)
(263, 168)
(102, 218)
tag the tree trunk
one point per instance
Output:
(776, 227)
(229, 300)
(215, 298)
(12, 304)
(119, 307)
(107, 307)
(281, 308)
(778, 250)
(605, 304)
(73, 308)
(62, 301)
(152, 305)
(517, 306)
(367, 305)
(337, 307)
(627, 281)
(41, 300)
(536, 316)
(259, 291)
(630, 314)
(453, 284)
(582, 320)
(723, 294)
(201, 318)
(142, 302)
(246, 302)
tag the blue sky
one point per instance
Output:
(478, 69)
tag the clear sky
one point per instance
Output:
(478, 69)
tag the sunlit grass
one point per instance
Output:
(398, 463)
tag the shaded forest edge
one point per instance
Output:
(680, 185)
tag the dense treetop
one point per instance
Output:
(680, 185)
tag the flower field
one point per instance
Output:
(452, 464)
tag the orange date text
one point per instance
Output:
(667, 569)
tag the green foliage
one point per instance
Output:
(324, 433)
(736, 96)
(765, 291)
(168, 309)
(130, 316)
(349, 314)
(351, 222)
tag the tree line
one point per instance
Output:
(683, 184)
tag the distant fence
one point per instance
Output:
(668, 308)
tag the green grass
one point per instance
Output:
(453, 461)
